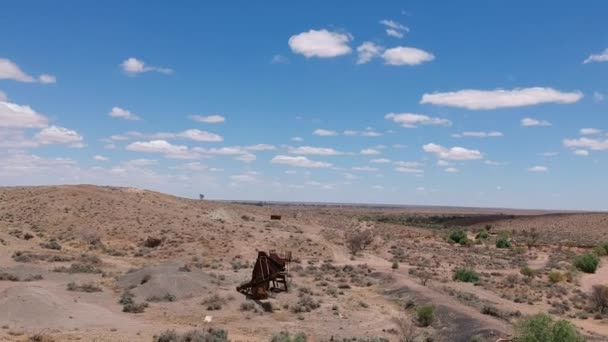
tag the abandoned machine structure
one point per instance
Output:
(269, 274)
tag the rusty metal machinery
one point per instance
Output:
(269, 274)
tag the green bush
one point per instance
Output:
(503, 242)
(425, 315)
(542, 328)
(466, 275)
(556, 277)
(587, 262)
(458, 236)
(604, 246)
(482, 235)
(210, 335)
(285, 336)
(527, 272)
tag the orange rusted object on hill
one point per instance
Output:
(269, 274)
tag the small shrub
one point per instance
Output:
(503, 242)
(458, 236)
(285, 336)
(490, 311)
(214, 302)
(425, 315)
(358, 240)
(134, 307)
(51, 245)
(395, 265)
(210, 335)
(527, 272)
(167, 297)
(466, 275)
(87, 287)
(482, 235)
(77, 268)
(305, 304)
(587, 262)
(556, 277)
(599, 298)
(247, 306)
(543, 328)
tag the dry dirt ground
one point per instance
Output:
(68, 255)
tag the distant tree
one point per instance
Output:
(358, 239)
(201, 197)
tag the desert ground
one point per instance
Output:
(91, 263)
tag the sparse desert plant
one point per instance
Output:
(77, 268)
(556, 277)
(210, 335)
(503, 242)
(40, 338)
(542, 328)
(406, 332)
(482, 235)
(599, 298)
(134, 307)
(52, 244)
(527, 272)
(358, 240)
(587, 262)
(466, 275)
(285, 336)
(425, 315)
(305, 304)
(167, 297)
(458, 236)
(213, 302)
(86, 287)
(395, 265)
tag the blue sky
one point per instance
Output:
(493, 104)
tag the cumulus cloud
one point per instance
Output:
(133, 66)
(13, 115)
(310, 150)
(538, 169)
(380, 161)
(367, 133)
(413, 164)
(587, 143)
(324, 132)
(405, 169)
(583, 153)
(198, 135)
(367, 51)
(260, 147)
(364, 168)
(531, 122)
(411, 120)
(209, 119)
(122, 113)
(403, 55)
(479, 134)
(299, 161)
(454, 153)
(100, 158)
(590, 131)
(499, 98)
(164, 147)
(599, 57)
(58, 135)
(394, 29)
(369, 152)
(297, 139)
(11, 71)
(320, 43)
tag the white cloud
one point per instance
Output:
(598, 97)
(279, 59)
(411, 120)
(3, 97)
(47, 79)
(549, 154)
(587, 143)
(364, 168)
(380, 161)
(324, 132)
(58, 135)
(499, 98)
(164, 147)
(210, 119)
(581, 153)
(451, 170)
(369, 152)
(321, 43)
(600, 57)
(100, 158)
(310, 150)
(590, 131)
(367, 133)
(454, 153)
(494, 163)
(260, 147)
(246, 157)
(367, 51)
(402, 55)
(404, 169)
(394, 29)
(192, 166)
(198, 135)
(299, 161)
(442, 162)
(297, 139)
(134, 66)
(140, 162)
(479, 134)
(17, 116)
(122, 113)
(538, 169)
(530, 122)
